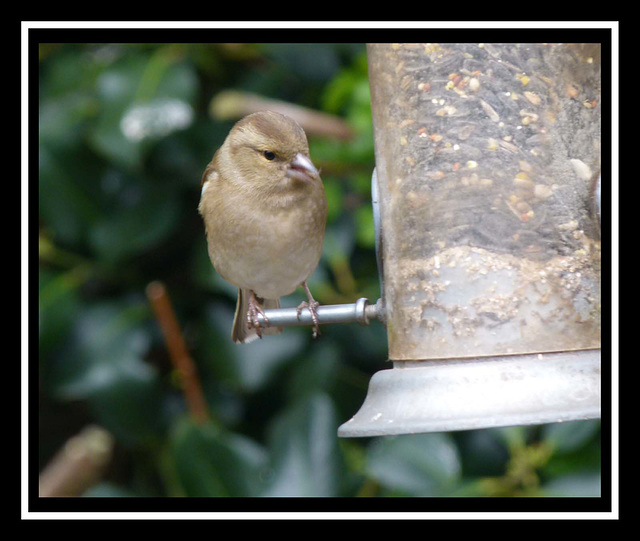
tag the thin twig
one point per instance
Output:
(159, 299)
(234, 104)
(79, 465)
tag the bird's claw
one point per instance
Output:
(252, 315)
(312, 306)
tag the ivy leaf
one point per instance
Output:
(567, 437)
(211, 462)
(104, 365)
(303, 443)
(416, 465)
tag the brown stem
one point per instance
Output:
(234, 104)
(78, 465)
(159, 299)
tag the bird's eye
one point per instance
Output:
(269, 155)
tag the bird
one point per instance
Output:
(264, 210)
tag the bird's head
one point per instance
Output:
(272, 149)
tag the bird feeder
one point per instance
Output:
(486, 193)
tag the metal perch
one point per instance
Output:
(359, 312)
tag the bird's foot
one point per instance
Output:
(312, 306)
(255, 308)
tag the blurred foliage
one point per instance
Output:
(124, 138)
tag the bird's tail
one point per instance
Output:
(241, 333)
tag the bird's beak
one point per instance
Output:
(302, 168)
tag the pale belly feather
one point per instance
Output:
(270, 253)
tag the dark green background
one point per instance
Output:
(116, 214)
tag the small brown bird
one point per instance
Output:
(264, 211)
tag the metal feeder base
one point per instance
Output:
(464, 394)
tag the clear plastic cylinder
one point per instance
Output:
(487, 159)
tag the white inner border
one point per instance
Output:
(460, 25)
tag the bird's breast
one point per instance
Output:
(269, 244)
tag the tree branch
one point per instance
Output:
(78, 465)
(159, 299)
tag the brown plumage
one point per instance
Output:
(264, 210)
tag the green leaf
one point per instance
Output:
(103, 338)
(141, 98)
(145, 217)
(584, 485)
(335, 198)
(104, 365)
(62, 120)
(108, 140)
(365, 232)
(58, 304)
(252, 366)
(416, 465)
(258, 362)
(295, 60)
(68, 200)
(316, 371)
(482, 452)
(126, 398)
(108, 490)
(567, 437)
(67, 72)
(339, 91)
(211, 462)
(304, 447)
(339, 240)
(345, 86)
